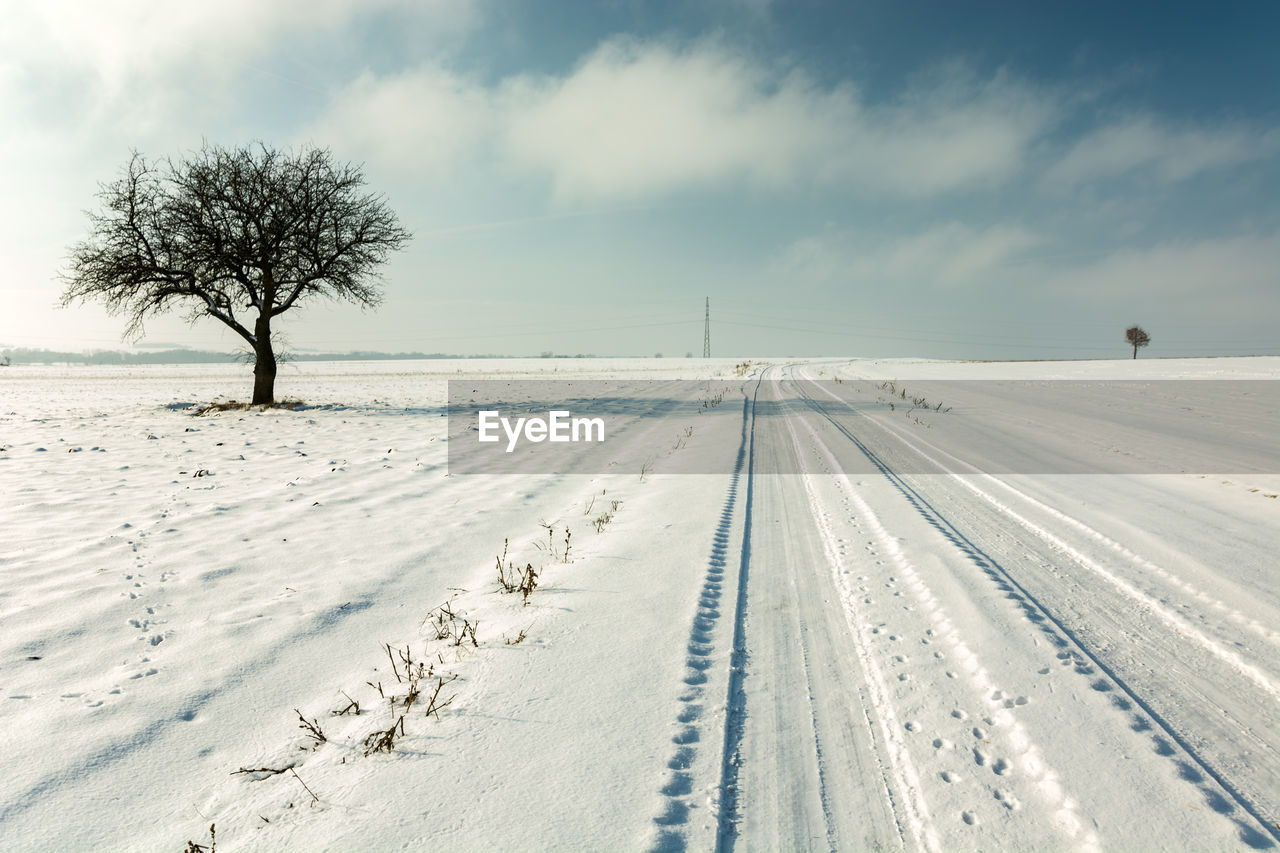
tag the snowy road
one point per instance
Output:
(943, 662)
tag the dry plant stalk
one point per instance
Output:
(384, 741)
(312, 728)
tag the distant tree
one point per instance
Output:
(1136, 338)
(241, 235)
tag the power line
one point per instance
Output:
(988, 342)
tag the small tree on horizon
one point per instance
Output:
(1136, 337)
(241, 235)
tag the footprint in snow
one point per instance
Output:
(1007, 799)
(687, 735)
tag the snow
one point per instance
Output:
(869, 654)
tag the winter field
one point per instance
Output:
(889, 610)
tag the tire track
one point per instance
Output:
(823, 794)
(735, 709)
(899, 777)
(1008, 734)
(673, 819)
(1138, 561)
(1054, 625)
(1148, 602)
(811, 767)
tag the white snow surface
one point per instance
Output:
(854, 658)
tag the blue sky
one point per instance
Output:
(953, 180)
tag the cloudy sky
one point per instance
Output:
(863, 177)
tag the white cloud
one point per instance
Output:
(951, 254)
(1233, 276)
(948, 131)
(636, 120)
(1145, 144)
(147, 68)
(120, 41)
(424, 122)
(642, 119)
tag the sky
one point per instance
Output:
(938, 179)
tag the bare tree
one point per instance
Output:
(241, 235)
(1136, 338)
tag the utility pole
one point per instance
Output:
(706, 332)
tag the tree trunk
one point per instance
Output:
(264, 364)
(1135, 352)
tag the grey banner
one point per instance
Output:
(863, 426)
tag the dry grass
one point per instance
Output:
(211, 847)
(238, 406)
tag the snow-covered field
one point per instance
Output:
(860, 657)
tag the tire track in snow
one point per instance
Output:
(1227, 656)
(1249, 833)
(677, 791)
(1044, 779)
(1136, 559)
(823, 795)
(811, 774)
(735, 708)
(899, 777)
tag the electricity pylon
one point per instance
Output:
(706, 332)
